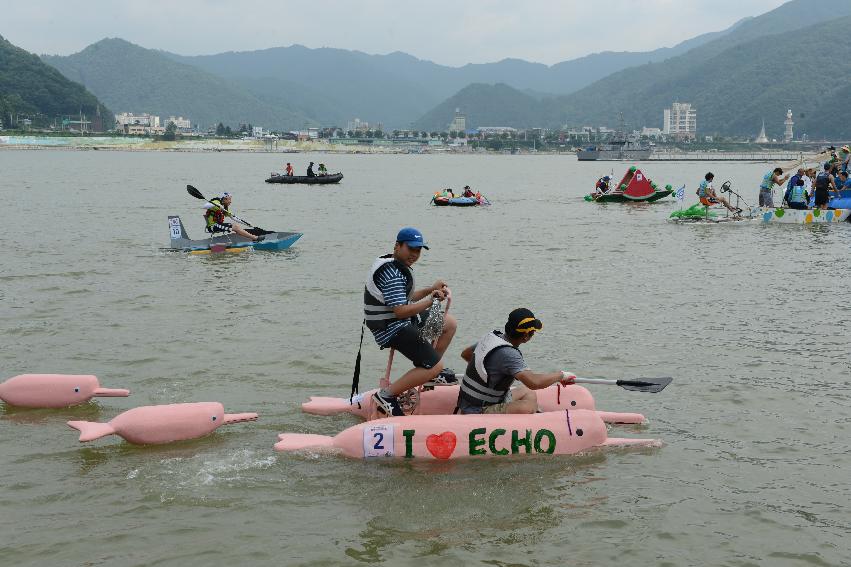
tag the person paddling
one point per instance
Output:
(214, 215)
(395, 311)
(708, 197)
(495, 362)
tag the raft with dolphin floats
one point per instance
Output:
(567, 424)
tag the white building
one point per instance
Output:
(650, 132)
(181, 122)
(459, 122)
(128, 118)
(257, 131)
(680, 121)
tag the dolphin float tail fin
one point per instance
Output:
(300, 441)
(91, 430)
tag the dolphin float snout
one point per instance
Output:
(111, 392)
(239, 417)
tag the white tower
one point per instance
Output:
(787, 136)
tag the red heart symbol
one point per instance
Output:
(441, 446)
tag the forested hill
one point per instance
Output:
(30, 87)
(133, 79)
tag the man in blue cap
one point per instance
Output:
(395, 311)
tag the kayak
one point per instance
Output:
(444, 437)
(317, 180)
(272, 241)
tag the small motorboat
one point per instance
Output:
(231, 242)
(316, 180)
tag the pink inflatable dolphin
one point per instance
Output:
(466, 436)
(54, 390)
(153, 425)
(442, 400)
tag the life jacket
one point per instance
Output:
(215, 215)
(376, 313)
(477, 388)
(601, 184)
(767, 181)
(823, 180)
(796, 194)
(701, 189)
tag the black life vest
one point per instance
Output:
(376, 313)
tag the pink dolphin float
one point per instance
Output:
(153, 425)
(442, 400)
(54, 390)
(466, 436)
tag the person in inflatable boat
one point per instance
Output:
(495, 362)
(395, 311)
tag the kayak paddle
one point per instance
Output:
(198, 195)
(650, 385)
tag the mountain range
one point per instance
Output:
(290, 87)
(755, 69)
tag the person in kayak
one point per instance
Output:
(708, 197)
(495, 362)
(310, 170)
(214, 216)
(768, 181)
(290, 171)
(395, 311)
(322, 169)
(798, 196)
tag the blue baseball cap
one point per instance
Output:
(412, 237)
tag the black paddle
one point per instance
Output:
(649, 385)
(198, 195)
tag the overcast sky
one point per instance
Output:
(449, 32)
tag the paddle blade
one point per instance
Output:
(194, 192)
(650, 385)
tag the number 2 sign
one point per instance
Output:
(379, 440)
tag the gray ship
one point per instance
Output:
(627, 149)
(621, 147)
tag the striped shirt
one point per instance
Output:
(391, 283)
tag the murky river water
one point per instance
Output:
(751, 320)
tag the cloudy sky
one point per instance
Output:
(450, 32)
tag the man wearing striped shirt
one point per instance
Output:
(394, 310)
